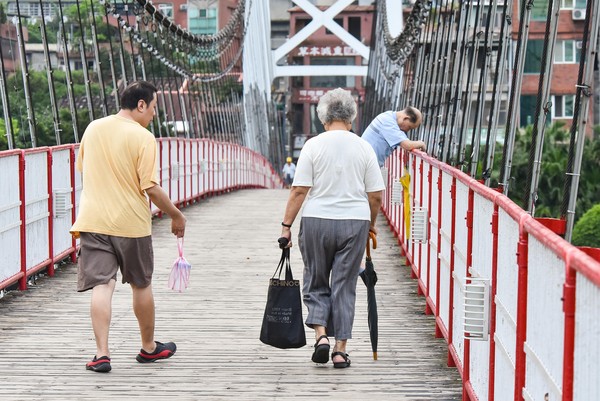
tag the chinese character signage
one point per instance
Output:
(310, 95)
(326, 51)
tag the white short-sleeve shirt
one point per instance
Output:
(340, 168)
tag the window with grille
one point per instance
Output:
(533, 57)
(539, 11)
(571, 4)
(202, 21)
(166, 9)
(562, 106)
(567, 51)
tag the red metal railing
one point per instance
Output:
(39, 200)
(542, 339)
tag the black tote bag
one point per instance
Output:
(282, 325)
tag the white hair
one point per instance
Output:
(337, 105)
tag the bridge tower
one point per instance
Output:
(327, 47)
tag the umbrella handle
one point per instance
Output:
(372, 237)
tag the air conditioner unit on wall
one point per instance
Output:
(183, 7)
(578, 14)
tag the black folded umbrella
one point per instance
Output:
(369, 277)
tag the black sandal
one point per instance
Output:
(321, 353)
(341, 365)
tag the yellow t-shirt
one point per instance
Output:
(118, 159)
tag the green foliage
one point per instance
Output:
(552, 171)
(2, 14)
(3, 138)
(72, 28)
(45, 131)
(34, 27)
(587, 230)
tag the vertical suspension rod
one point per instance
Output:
(50, 77)
(515, 93)
(535, 154)
(86, 73)
(103, 104)
(25, 75)
(578, 130)
(71, 95)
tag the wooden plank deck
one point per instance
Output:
(46, 336)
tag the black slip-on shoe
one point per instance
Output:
(162, 351)
(101, 364)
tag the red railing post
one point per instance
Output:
(181, 199)
(451, 361)
(186, 147)
(410, 260)
(521, 331)
(419, 278)
(438, 330)
(428, 300)
(469, 262)
(50, 216)
(492, 357)
(22, 216)
(569, 292)
(73, 200)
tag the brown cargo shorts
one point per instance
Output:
(101, 256)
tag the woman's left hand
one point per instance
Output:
(287, 234)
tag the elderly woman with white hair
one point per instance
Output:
(338, 175)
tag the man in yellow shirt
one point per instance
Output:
(117, 158)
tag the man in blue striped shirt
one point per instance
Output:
(388, 131)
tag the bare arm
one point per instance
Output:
(159, 197)
(374, 205)
(410, 145)
(295, 201)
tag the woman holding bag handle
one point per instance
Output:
(339, 177)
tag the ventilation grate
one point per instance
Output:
(397, 192)
(418, 225)
(62, 202)
(476, 309)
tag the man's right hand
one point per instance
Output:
(159, 197)
(178, 225)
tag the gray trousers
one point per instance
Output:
(332, 251)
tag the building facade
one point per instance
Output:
(565, 67)
(320, 49)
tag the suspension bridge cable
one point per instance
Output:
(50, 78)
(440, 89)
(445, 95)
(515, 93)
(496, 100)
(542, 108)
(25, 76)
(481, 93)
(461, 96)
(468, 104)
(580, 115)
(69, 83)
(457, 68)
(8, 124)
(428, 100)
(84, 65)
(96, 46)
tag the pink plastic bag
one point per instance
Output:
(180, 272)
